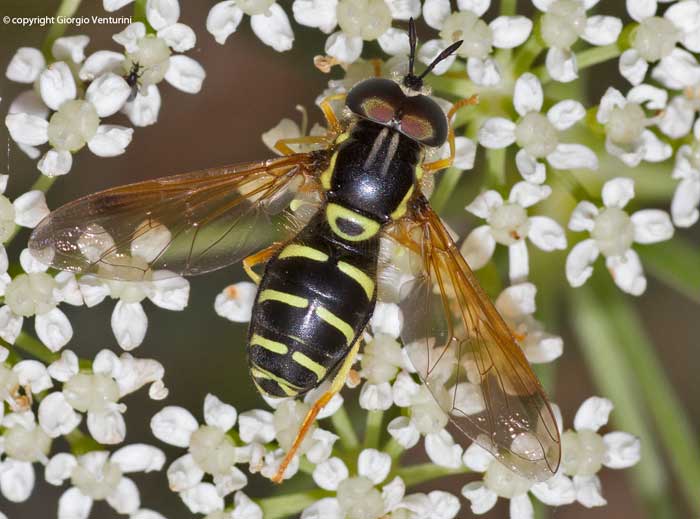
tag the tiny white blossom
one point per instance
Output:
(684, 206)
(537, 134)
(613, 232)
(508, 223)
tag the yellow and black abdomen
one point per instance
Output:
(314, 300)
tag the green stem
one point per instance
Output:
(81, 443)
(29, 344)
(445, 188)
(674, 428)
(374, 429)
(393, 449)
(279, 507)
(527, 54)
(495, 167)
(676, 264)
(67, 9)
(509, 7)
(612, 375)
(417, 474)
(585, 59)
(343, 426)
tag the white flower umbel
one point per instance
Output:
(626, 124)
(98, 476)
(23, 444)
(537, 134)
(163, 288)
(613, 232)
(480, 38)
(517, 306)
(212, 450)
(563, 23)
(356, 495)
(684, 206)
(509, 224)
(37, 293)
(655, 38)
(96, 393)
(267, 19)
(584, 453)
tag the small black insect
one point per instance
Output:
(132, 79)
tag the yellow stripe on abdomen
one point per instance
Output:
(304, 251)
(283, 297)
(337, 323)
(366, 282)
(273, 346)
(310, 364)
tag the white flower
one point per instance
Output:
(434, 505)
(517, 306)
(357, 493)
(163, 288)
(211, 451)
(627, 135)
(563, 23)
(36, 293)
(536, 134)
(655, 38)
(508, 223)
(612, 233)
(235, 302)
(267, 19)
(504, 32)
(97, 476)
(684, 206)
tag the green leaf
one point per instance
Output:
(676, 263)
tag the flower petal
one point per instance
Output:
(561, 64)
(632, 66)
(442, 449)
(404, 432)
(202, 498)
(684, 206)
(235, 302)
(530, 168)
(27, 129)
(623, 450)
(174, 426)
(110, 140)
(316, 13)
(59, 468)
(107, 426)
(526, 194)
(330, 473)
(56, 85)
(521, 507)
(184, 473)
(394, 41)
(641, 9)
(219, 414)
(144, 109)
(56, 416)
(518, 262)
(223, 20)
(125, 498)
(497, 132)
(588, 491)
(573, 156)
(435, 12)
(273, 28)
(602, 30)
(617, 192)
(546, 233)
(138, 457)
(627, 273)
(593, 414)
(73, 504)
(478, 247)
(344, 48)
(510, 31)
(179, 37)
(565, 114)
(528, 95)
(185, 74)
(583, 217)
(579, 262)
(129, 324)
(55, 163)
(162, 13)
(479, 496)
(108, 93)
(652, 226)
(484, 72)
(26, 65)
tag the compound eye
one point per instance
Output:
(417, 128)
(378, 109)
(376, 99)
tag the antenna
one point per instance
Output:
(411, 80)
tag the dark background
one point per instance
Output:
(248, 89)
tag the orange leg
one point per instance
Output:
(334, 125)
(256, 259)
(446, 163)
(310, 418)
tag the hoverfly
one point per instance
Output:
(319, 286)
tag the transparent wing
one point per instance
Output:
(186, 224)
(467, 356)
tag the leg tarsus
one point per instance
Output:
(332, 121)
(282, 145)
(258, 258)
(310, 418)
